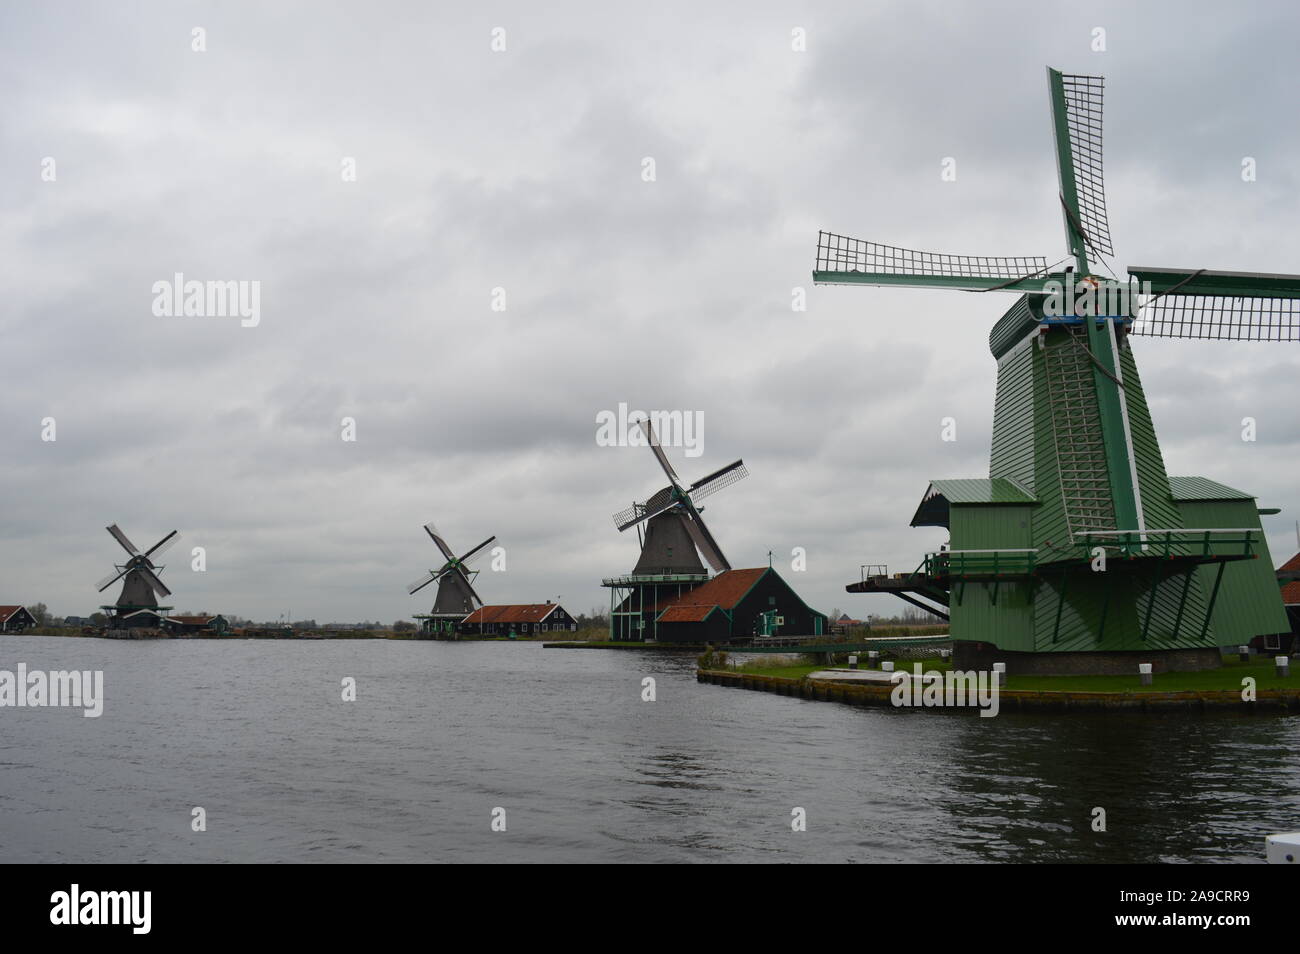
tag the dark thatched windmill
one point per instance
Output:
(674, 538)
(137, 606)
(456, 597)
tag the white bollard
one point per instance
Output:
(945, 654)
(1282, 849)
(853, 662)
(1144, 673)
(872, 658)
(887, 665)
(999, 674)
(1283, 665)
(1243, 654)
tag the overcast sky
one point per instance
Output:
(523, 170)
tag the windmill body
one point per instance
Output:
(137, 606)
(673, 541)
(456, 597)
(1079, 553)
(667, 548)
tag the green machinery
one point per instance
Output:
(770, 622)
(1079, 541)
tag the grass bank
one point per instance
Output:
(1228, 678)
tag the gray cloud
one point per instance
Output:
(522, 170)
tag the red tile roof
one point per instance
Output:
(522, 613)
(7, 611)
(687, 613)
(724, 590)
(1291, 593)
(1291, 564)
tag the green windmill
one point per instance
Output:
(1079, 552)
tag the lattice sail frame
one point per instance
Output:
(724, 478)
(1083, 115)
(1219, 317)
(840, 253)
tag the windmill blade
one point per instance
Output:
(848, 261)
(473, 555)
(163, 545)
(629, 517)
(663, 501)
(436, 537)
(112, 578)
(425, 580)
(1076, 124)
(152, 579)
(708, 547)
(707, 486)
(120, 537)
(648, 429)
(1228, 306)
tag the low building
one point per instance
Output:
(736, 605)
(1288, 577)
(215, 625)
(526, 619)
(15, 619)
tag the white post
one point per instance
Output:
(1144, 673)
(853, 662)
(872, 658)
(887, 665)
(1283, 665)
(1243, 653)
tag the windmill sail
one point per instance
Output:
(1077, 110)
(1230, 306)
(842, 260)
(710, 485)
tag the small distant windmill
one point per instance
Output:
(674, 530)
(1076, 473)
(142, 587)
(456, 597)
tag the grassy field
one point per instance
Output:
(1228, 678)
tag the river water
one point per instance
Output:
(257, 734)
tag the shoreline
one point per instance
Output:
(1279, 701)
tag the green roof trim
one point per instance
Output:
(1202, 488)
(933, 511)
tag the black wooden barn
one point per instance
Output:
(735, 605)
(15, 619)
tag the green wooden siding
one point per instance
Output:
(1013, 419)
(994, 612)
(1249, 603)
(991, 526)
(1050, 529)
(1000, 613)
(1158, 507)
